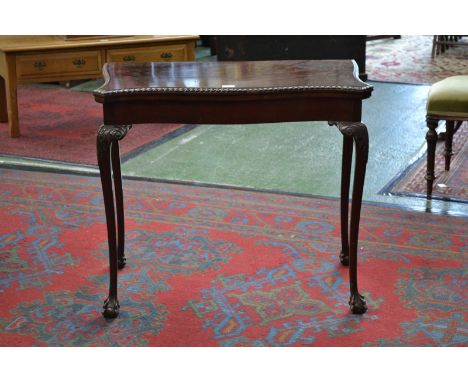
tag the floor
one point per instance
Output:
(299, 158)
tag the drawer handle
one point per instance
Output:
(39, 65)
(129, 58)
(79, 61)
(166, 55)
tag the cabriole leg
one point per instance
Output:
(115, 158)
(345, 181)
(357, 132)
(107, 143)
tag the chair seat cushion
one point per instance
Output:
(449, 97)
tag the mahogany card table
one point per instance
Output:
(232, 93)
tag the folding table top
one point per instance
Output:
(210, 77)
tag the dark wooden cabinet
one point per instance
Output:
(330, 47)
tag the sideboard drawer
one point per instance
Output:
(148, 54)
(57, 65)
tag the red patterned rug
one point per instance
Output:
(408, 60)
(217, 267)
(61, 124)
(449, 185)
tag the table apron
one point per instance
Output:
(235, 112)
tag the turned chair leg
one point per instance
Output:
(434, 46)
(431, 138)
(448, 143)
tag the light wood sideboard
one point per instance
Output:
(26, 59)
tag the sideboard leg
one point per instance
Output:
(3, 101)
(107, 138)
(358, 132)
(11, 91)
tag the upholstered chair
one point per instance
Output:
(447, 101)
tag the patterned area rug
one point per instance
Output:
(449, 185)
(408, 60)
(217, 267)
(61, 124)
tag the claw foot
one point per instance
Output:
(357, 303)
(121, 262)
(344, 258)
(111, 308)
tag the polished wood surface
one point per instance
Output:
(253, 76)
(265, 91)
(26, 59)
(166, 52)
(36, 67)
(37, 43)
(230, 93)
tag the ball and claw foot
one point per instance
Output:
(121, 262)
(344, 258)
(111, 308)
(357, 303)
